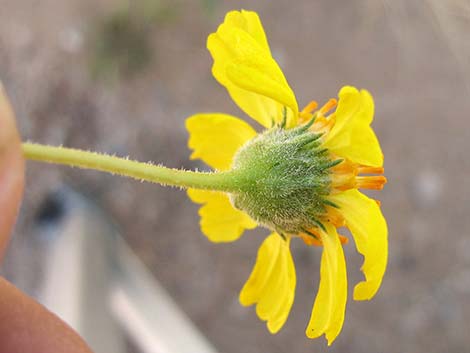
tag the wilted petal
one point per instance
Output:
(272, 282)
(369, 229)
(329, 307)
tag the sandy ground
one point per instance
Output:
(413, 57)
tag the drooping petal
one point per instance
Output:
(249, 22)
(216, 137)
(369, 229)
(244, 66)
(272, 282)
(220, 221)
(329, 307)
(351, 136)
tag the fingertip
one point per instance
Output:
(11, 170)
(28, 327)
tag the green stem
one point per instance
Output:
(223, 181)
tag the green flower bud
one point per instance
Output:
(283, 176)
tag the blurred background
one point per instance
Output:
(121, 77)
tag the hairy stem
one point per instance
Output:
(223, 181)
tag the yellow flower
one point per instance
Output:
(299, 178)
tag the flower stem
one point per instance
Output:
(223, 181)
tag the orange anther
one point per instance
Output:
(309, 108)
(370, 170)
(343, 181)
(323, 124)
(343, 239)
(371, 182)
(334, 217)
(311, 241)
(328, 106)
(345, 167)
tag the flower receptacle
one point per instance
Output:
(282, 177)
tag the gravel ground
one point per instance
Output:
(413, 57)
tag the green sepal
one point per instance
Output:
(280, 182)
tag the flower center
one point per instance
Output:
(284, 176)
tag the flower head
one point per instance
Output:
(299, 178)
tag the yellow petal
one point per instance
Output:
(369, 229)
(215, 138)
(244, 66)
(351, 136)
(328, 310)
(272, 282)
(220, 221)
(249, 22)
